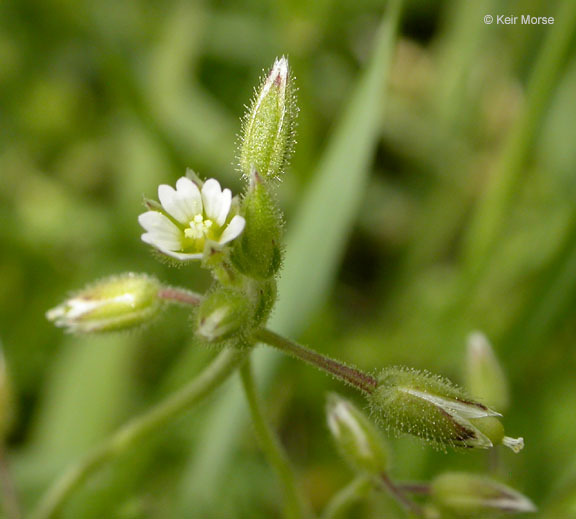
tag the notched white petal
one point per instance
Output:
(225, 203)
(172, 203)
(190, 197)
(211, 197)
(233, 230)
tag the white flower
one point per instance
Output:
(190, 218)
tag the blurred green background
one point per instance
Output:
(439, 204)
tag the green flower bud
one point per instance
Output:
(115, 303)
(6, 400)
(224, 314)
(436, 410)
(468, 495)
(268, 127)
(357, 439)
(258, 251)
(485, 378)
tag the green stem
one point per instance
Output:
(295, 506)
(137, 429)
(356, 378)
(345, 498)
(10, 501)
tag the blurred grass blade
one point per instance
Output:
(494, 205)
(315, 247)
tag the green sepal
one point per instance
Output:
(258, 252)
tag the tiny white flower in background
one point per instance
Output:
(190, 218)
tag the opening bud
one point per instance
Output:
(115, 303)
(468, 495)
(433, 408)
(268, 127)
(258, 252)
(357, 439)
(224, 314)
(485, 378)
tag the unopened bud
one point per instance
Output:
(436, 410)
(485, 378)
(268, 129)
(116, 303)
(6, 400)
(468, 495)
(222, 315)
(357, 439)
(258, 252)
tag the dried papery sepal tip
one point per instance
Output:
(485, 378)
(434, 409)
(115, 303)
(357, 439)
(468, 496)
(267, 137)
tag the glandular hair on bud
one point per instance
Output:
(357, 439)
(468, 496)
(223, 315)
(433, 408)
(485, 377)
(268, 126)
(115, 303)
(258, 251)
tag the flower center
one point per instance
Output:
(198, 228)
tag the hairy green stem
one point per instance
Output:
(360, 380)
(295, 507)
(345, 498)
(137, 429)
(10, 501)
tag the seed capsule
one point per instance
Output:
(436, 410)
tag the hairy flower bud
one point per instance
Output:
(115, 303)
(258, 251)
(222, 315)
(436, 410)
(357, 439)
(485, 378)
(468, 495)
(268, 128)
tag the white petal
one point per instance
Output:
(161, 242)
(233, 230)
(153, 221)
(173, 203)
(189, 196)
(212, 198)
(183, 256)
(225, 203)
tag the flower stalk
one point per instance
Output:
(137, 429)
(294, 505)
(352, 376)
